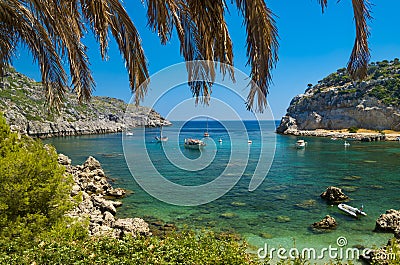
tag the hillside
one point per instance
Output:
(338, 103)
(24, 106)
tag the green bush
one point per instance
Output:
(353, 130)
(178, 248)
(34, 191)
(34, 230)
(389, 93)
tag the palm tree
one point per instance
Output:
(53, 30)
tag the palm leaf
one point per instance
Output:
(324, 4)
(129, 43)
(262, 48)
(360, 55)
(26, 28)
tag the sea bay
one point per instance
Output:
(280, 211)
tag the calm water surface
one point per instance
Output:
(281, 210)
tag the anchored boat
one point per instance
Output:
(160, 139)
(300, 144)
(353, 211)
(194, 144)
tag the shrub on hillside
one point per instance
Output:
(353, 130)
(34, 192)
(177, 248)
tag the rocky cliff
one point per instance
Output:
(22, 100)
(338, 103)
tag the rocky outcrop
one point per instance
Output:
(90, 188)
(23, 105)
(327, 223)
(337, 103)
(388, 222)
(334, 195)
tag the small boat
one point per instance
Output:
(160, 139)
(194, 144)
(129, 133)
(346, 143)
(249, 141)
(300, 144)
(353, 211)
(220, 140)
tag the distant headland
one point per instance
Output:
(24, 106)
(339, 107)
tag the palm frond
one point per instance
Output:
(160, 18)
(360, 55)
(129, 43)
(262, 48)
(63, 23)
(29, 31)
(97, 15)
(324, 4)
(204, 36)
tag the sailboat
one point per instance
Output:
(206, 134)
(161, 138)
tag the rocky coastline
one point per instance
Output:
(97, 202)
(95, 198)
(336, 104)
(24, 106)
(363, 137)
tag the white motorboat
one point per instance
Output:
(194, 144)
(129, 133)
(353, 211)
(346, 143)
(160, 139)
(300, 144)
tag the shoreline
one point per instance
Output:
(358, 136)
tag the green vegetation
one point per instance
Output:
(382, 82)
(391, 256)
(34, 229)
(388, 93)
(338, 78)
(34, 190)
(25, 96)
(179, 248)
(353, 130)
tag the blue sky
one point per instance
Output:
(312, 45)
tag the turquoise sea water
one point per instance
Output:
(279, 212)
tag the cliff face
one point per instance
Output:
(337, 103)
(23, 103)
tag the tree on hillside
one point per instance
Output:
(53, 31)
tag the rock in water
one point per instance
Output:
(118, 192)
(327, 223)
(388, 222)
(334, 195)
